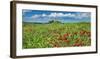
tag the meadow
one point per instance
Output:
(55, 35)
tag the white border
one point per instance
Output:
(21, 52)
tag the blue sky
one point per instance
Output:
(44, 16)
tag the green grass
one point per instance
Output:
(56, 35)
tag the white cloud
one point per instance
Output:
(52, 15)
(43, 15)
(70, 15)
(35, 16)
(61, 15)
(56, 15)
(76, 15)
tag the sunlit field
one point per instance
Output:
(55, 35)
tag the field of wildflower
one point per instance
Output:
(55, 35)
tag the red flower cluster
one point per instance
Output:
(83, 32)
(65, 38)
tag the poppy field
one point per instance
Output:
(55, 35)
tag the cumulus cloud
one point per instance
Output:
(61, 15)
(44, 15)
(54, 15)
(76, 15)
(35, 16)
(70, 15)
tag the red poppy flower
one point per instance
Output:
(65, 36)
(82, 32)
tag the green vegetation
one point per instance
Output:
(56, 34)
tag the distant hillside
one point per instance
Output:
(52, 21)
